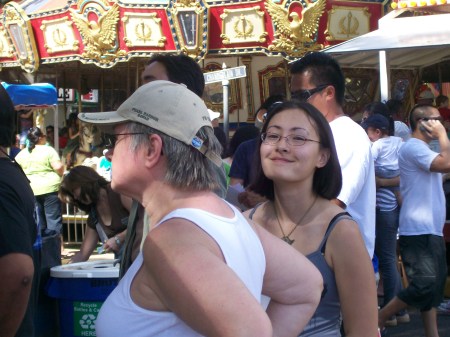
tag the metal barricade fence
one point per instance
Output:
(74, 224)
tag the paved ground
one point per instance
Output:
(415, 327)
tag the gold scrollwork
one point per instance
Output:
(243, 27)
(189, 27)
(346, 22)
(185, 3)
(59, 37)
(143, 31)
(295, 37)
(348, 25)
(99, 37)
(20, 35)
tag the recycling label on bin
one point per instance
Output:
(84, 317)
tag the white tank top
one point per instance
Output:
(243, 253)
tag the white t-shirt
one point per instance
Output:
(423, 207)
(385, 155)
(358, 175)
(385, 152)
(402, 130)
(242, 251)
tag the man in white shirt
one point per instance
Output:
(317, 78)
(422, 218)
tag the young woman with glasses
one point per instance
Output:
(299, 173)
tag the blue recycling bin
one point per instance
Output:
(80, 289)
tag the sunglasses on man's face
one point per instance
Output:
(305, 95)
(111, 139)
(426, 119)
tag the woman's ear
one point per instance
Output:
(324, 156)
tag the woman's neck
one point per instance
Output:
(291, 201)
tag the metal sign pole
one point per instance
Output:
(225, 87)
(224, 76)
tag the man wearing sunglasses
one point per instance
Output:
(318, 79)
(422, 218)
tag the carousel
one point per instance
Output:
(93, 51)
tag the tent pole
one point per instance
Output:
(102, 88)
(56, 120)
(384, 76)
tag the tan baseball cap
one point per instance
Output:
(165, 106)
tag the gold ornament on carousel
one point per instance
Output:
(143, 32)
(99, 38)
(295, 36)
(243, 28)
(59, 37)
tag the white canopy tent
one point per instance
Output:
(412, 42)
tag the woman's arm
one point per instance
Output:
(58, 167)
(387, 182)
(73, 133)
(188, 275)
(87, 246)
(116, 242)
(16, 273)
(355, 279)
(292, 282)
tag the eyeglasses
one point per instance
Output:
(111, 139)
(426, 119)
(305, 95)
(270, 138)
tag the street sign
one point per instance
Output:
(225, 74)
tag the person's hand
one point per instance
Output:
(433, 128)
(78, 257)
(111, 245)
(250, 199)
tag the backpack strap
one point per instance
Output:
(125, 261)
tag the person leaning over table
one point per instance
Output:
(108, 211)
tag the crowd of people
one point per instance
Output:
(319, 198)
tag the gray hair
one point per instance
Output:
(187, 168)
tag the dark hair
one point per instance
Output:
(8, 118)
(89, 182)
(222, 138)
(241, 135)
(418, 111)
(64, 131)
(72, 120)
(327, 180)
(182, 69)
(270, 100)
(49, 127)
(324, 70)
(441, 99)
(33, 138)
(382, 109)
(394, 106)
